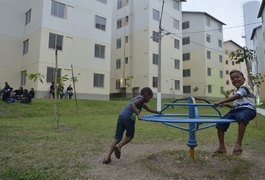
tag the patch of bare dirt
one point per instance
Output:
(172, 161)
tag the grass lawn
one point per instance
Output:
(31, 147)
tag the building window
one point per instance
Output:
(155, 59)
(58, 9)
(126, 20)
(118, 84)
(118, 63)
(119, 4)
(209, 88)
(226, 62)
(220, 43)
(208, 21)
(186, 25)
(23, 75)
(126, 39)
(119, 23)
(55, 41)
(51, 74)
(175, 23)
(227, 82)
(103, 1)
(118, 43)
(221, 89)
(26, 46)
(100, 23)
(233, 63)
(226, 52)
(176, 5)
(186, 73)
(177, 64)
(99, 51)
(98, 80)
(186, 40)
(176, 43)
(209, 71)
(220, 58)
(226, 72)
(155, 82)
(208, 54)
(186, 89)
(186, 56)
(155, 36)
(220, 29)
(126, 60)
(221, 74)
(177, 84)
(28, 17)
(156, 15)
(208, 38)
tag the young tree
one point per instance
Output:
(244, 55)
(35, 77)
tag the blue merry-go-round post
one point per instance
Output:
(193, 119)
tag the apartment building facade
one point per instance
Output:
(203, 51)
(229, 65)
(81, 32)
(258, 36)
(135, 42)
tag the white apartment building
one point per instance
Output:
(258, 44)
(81, 30)
(203, 61)
(231, 46)
(135, 44)
(258, 37)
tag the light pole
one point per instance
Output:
(159, 61)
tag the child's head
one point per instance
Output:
(147, 93)
(237, 78)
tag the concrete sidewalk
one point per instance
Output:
(261, 111)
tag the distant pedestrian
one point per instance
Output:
(69, 91)
(6, 87)
(32, 93)
(52, 90)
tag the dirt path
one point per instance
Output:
(147, 161)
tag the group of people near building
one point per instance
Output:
(60, 91)
(22, 95)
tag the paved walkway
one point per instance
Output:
(261, 111)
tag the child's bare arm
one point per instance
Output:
(150, 110)
(227, 100)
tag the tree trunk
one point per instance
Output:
(248, 74)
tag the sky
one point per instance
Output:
(229, 12)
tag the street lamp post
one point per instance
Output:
(159, 73)
(159, 61)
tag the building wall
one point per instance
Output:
(260, 62)
(250, 10)
(141, 47)
(79, 39)
(231, 46)
(12, 21)
(262, 89)
(199, 63)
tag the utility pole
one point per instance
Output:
(56, 108)
(159, 61)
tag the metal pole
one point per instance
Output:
(56, 109)
(159, 62)
(76, 105)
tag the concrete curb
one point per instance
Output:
(261, 111)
